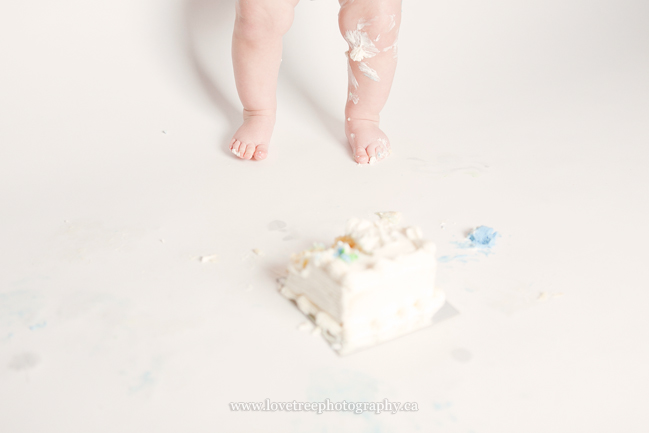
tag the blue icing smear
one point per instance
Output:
(38, 326)
(480, 240)
(460, 257)
(345, 253)
(483, 237)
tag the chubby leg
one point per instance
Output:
(256, 56)
(371, 29)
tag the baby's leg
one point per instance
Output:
(256, 56)
(371, 28)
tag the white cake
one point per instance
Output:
(374, 284)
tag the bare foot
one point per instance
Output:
(369, 144)
(253, 137)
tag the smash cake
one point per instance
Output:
(375, 283)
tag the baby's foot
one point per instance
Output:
(253, 136)
(369, 144)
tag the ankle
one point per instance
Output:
(356, 122)
(265, 113)
(355, 116)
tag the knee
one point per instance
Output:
(378, 19)
(261, 19)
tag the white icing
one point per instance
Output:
(368, 71)
(350, 73)
(394, 47)
(364, 23)
(392, 22)
(374, 284)
(360, 45)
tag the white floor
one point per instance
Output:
(528, 117)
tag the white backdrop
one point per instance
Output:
(529, 117)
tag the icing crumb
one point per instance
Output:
(258, 252)
(392, 217)
(212, 258)
(305, 326)
(544, 296)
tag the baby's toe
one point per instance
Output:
(261, 152)
(378, 150)
(382, 151)
(387, 148)
(360, 155)
(235, 147)
(374, 152)
(247, 153)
